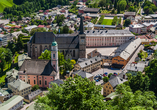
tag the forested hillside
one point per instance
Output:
(30, 6)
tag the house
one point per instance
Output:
(14, 103)
(5, 94)
(83, 74)
(124, 53)
(111, 96)
(57, 81)
(19, 87)
(41, 72)
(89, 65)
(130, 15)
(16, 34)
(135, 68)
(29, 28)
(89, 26)
(111, 85)
(11, 75)
(5, 39)
(33, 95)
(88, 10)
(21, 59)
(138, 28)
(93, 54)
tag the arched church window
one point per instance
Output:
(73, 53)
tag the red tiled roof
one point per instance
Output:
(41, 26)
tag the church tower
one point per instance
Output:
(82, 40)
(54, 57)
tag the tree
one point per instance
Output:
(45, 55)
(105, 79)
(151, 71)
(11, 46)
(122, 4)
(74, 93)
(127, 100)
(19, 44)
(35, 87)
(8, 56)
(139, 82)
(118, 9)
(109, 75)
(37, 30)
(68, 66)
(115, 4)
(65, 29)
(20, 17)
(127, 22)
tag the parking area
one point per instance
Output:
(102, 50)
(103, 70)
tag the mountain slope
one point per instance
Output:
(5, 3)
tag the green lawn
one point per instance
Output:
(5, 3)
(107, 22)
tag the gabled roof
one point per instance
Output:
(125, 50)
(57, 81)
(89, 61)
(12, 73)
(11, 102)
(19, 84)
(5, 92)
(115, 80)
(83, 74)
(33, 94)
(37, 67)
(130, 13)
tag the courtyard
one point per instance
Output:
(103, 50)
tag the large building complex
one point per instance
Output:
(100, 38)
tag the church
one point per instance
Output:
(73, 46)
(41, 72)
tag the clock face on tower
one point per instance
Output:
(82, 41)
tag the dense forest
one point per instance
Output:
(26, 7)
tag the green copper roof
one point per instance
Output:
(54, 43)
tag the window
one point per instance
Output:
(23, 76)
(73, 53)
(53, 65)
(104, 89)
(45, 82)
(34, 77)
(109, 87)
(104, 92)
(28, 81)
(40, 82)
(34, 81)
(20, 76)
(53, 56)
(106, 86)
(24, 80)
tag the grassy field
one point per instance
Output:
(5, 3)
(107, 22)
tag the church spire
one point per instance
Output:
(81, 26)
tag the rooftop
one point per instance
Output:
(83, 74)
(125, 50)
(37, 67)
(89, 61)
(108, 33)
(19, 84)
(57, 81)
(11, 102)
(130, 13)
(33, 94)
(12, 73)
(137, 26)
(21, 59)
(4, 92)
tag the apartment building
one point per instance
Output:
(19, 87)
(89, 65)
